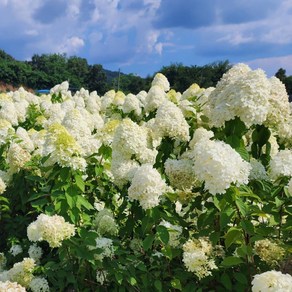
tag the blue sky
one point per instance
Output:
(141, 36)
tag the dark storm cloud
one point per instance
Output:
(50, 10)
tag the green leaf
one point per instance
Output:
(242, 207)
(162, 233)
(79, 182)
(176, 284)
(232, 236)
(147, 242)
(83, 202)
(225, 280)
(241, 278)
(231, 261)
(158, 285)
(133, 281)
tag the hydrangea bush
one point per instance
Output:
(159, 191)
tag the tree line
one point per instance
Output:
(46, 70)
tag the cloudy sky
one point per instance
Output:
(141, 36)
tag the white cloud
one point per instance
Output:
(273, 64)
(72, 45)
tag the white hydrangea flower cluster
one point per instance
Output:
(219, 166)
(258, 171)
(22, 272)
(240, 93)
(170, 122)
(101, 276)
(180, 173)
(35, 252)
(160, 80)
(8, 286)
(269, 251)
(60, 88)
(39, 284)
(6, 131)
(281, 164)
(105, 223)
(279, 109)
(155, 97)
(131, 139)
(147, 187)
(16, 158)
(197, 257)
(16, 249)
(62, 148)
(106, 244)
(272, 281)
(132, 104)
(52, 229)
(174, 232)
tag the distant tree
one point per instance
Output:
(281, 74)
(96, 79)
(54, 65)
(130, 83)
(181, 77)
(5, 56)
(78, 70)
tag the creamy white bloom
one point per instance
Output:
(101, 276)
(290, 187)
(106, 244)
(161, 81)
(272, 281)
(147, 187)
(180, 173)
(281, 164)
(60, 88)
(62, 148)
(35, 252)
(141, 96)
(132, 104)
(269, 251)
(193, 91)
(6, 131)
(25, 140)
(16, 249)
(106, 100)
(22, 272)
(258, 171)
(199, 135)
(16, 158)
(122, 168)
(170, 122)
(197, 257)
(7, 110)
(241, 93)
(52, 229)
(8, 286)
(155, 97)
(39, 284)
(130, 139)
(219, 166)
(279, 109)
(105, 223)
